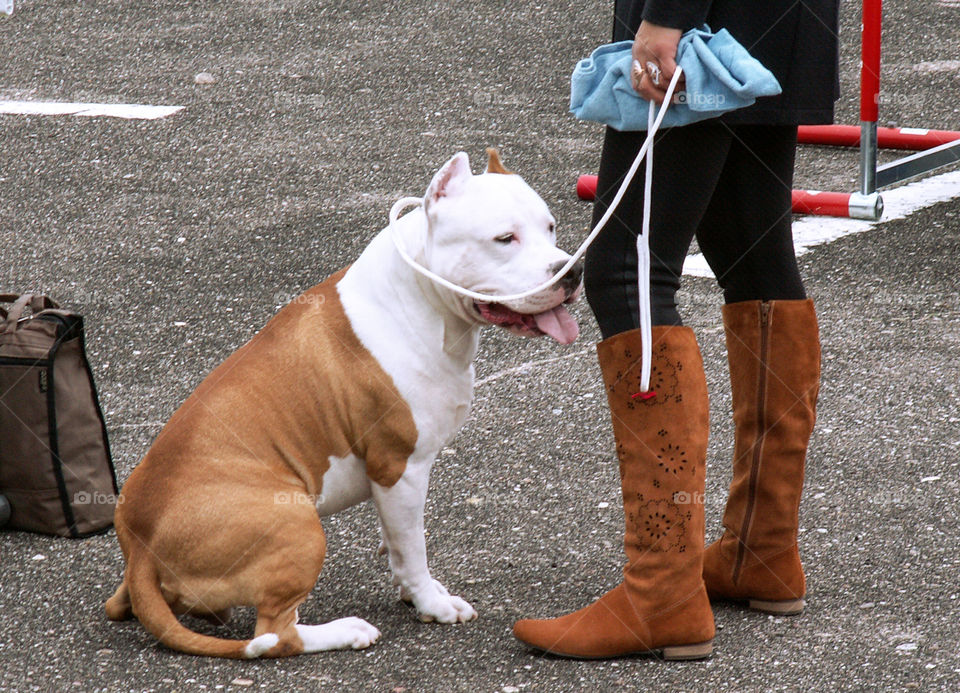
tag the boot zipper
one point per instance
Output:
(758, 444)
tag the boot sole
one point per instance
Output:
(786, 607)
(679, 653)
(672, 653)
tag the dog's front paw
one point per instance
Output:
(357, 633)
(435, 603)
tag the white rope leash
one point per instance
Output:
(643, 269)
(643, 247)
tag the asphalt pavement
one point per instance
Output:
(178, 238)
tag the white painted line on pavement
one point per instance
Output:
(129, 111)
(811, 231)
(527, 366)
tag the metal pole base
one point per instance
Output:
(868, 207)
(868, 157)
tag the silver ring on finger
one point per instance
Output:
(653, 70)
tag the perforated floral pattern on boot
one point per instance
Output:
(664, 379)
(658, 525)
(672, 459)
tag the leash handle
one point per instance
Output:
(643, 270)
(647, 146)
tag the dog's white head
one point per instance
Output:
(493, 234)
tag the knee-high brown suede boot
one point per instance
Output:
(661, 605)
(774, 353)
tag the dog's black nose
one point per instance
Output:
(571, 280)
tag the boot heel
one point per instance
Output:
(700, 650)
(787, 607)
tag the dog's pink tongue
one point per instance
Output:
(559, 324)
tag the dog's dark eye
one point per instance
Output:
(553, 227)
(505, 238)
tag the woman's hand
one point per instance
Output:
(655, 49)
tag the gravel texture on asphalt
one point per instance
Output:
(179, 238)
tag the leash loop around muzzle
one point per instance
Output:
(643, 239)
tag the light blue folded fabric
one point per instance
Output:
(720, 76)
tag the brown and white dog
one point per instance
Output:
(347, 394)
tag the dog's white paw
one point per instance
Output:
(259, 645)
(436, 604)
(351, 632)
(359, 633)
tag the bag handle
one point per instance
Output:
(6, 298)
(37, 303)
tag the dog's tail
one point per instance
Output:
(156, 616)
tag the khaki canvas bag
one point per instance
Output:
(55, 466)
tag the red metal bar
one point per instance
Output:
(831, 204)
(587, 188)
(870, 60)
(887, 138)
(803, 201)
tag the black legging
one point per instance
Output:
(727, 184)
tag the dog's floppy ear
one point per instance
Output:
(449, 179)
(494, 165)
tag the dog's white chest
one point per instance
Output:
(407, 339)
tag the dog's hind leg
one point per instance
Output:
(295, 639)
(295, 560)
(281, 619)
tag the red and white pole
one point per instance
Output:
(835, 204)
(887, 138)
(832, 204)
(870, 31)
(867, 203)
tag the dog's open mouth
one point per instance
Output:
(556, 322)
